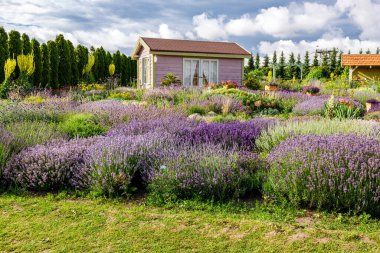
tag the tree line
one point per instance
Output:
(58, 63)
(326, 63)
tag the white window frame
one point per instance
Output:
(200, 79)
(144, 71)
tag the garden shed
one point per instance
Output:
(362, 66)
(195, 63)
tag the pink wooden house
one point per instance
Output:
(195, 63)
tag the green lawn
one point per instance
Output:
(47, 224)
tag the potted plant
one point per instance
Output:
(311, 90)
(271, 86)
(372, 104)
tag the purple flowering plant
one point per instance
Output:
(338, 172)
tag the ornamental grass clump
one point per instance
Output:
(340, 172)
(204, 171)
(56, 165)
(278, 133)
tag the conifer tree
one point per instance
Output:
(266, 61)
(333, 63)
(4, 52)
(338, 69)
(73, 64)
(44, 65)
(36, 51)
(325, 66)
(361, 51)
(64, 66)
(117, 61)
(54, 62)
(251, 65)
(291, 68)
(306, 64)
(14, 44)
(315, 61)
(274, 58)
(81, 53)
(299, 66)
(124, 77)
(26, 47)
(368, 51)
(257, 61)
(377, 50)
(281, 69)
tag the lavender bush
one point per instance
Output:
(116, 161)
(313, 106)
(230, 134)
(6, 140)
(340, 172)
(57, 165)
(205, 171)
(112, 113)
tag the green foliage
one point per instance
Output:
(26, 47)
(4, 52)
(81, 125)
(252, 80)
(14, 44)
(315, 73)
(64, 64)
(81, 54)
(36, 52)
(74, 64)
(127, 95)
(54, 62)
(170, 79)
(196, 109)
(45, 64)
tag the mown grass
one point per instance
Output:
(51, 224)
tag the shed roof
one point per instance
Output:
(361, 60)
(191, 46)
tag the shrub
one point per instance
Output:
(340, 172)
(204, 171)
(229, 135)
(196, 109)
(170, 79)
(313, 106)
(35, 100)
(278, 133)
(343, 108)
(122, 95)
(252, 81)
(81, 125)
(315, 73)
(56, 165)
(120, 164)
(373, 116)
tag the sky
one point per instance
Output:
(259, 26)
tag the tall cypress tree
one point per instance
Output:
(315, 61)
(81, 53)
(257, 61)
(45, 64)
(377, 50)
(64, 67)
(333, 57)
(306, 64)
(124, 60)
(368, 51)
(291, 70)
(37, 62)
(325, 65)
(15, 47)
(129, 70)
(298, 67)
(251, 65)
(361, 51)
(54, 62)
(338, 69)
(4, 52)
(281, 69)
(117, 62)
(274, 58)
(73, 63)
(26, 47)
(266, 61)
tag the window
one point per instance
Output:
(145, 71)
(200, 72)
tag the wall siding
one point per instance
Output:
(168, 64)
(230, 69)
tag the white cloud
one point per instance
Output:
(343, 43)
(282, 22)
(364, 14)
(209, 28)
(166, 32)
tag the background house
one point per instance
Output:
(362, 66)
(194, 62)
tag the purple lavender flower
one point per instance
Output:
(340, 172)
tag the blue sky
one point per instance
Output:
(260, 26)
